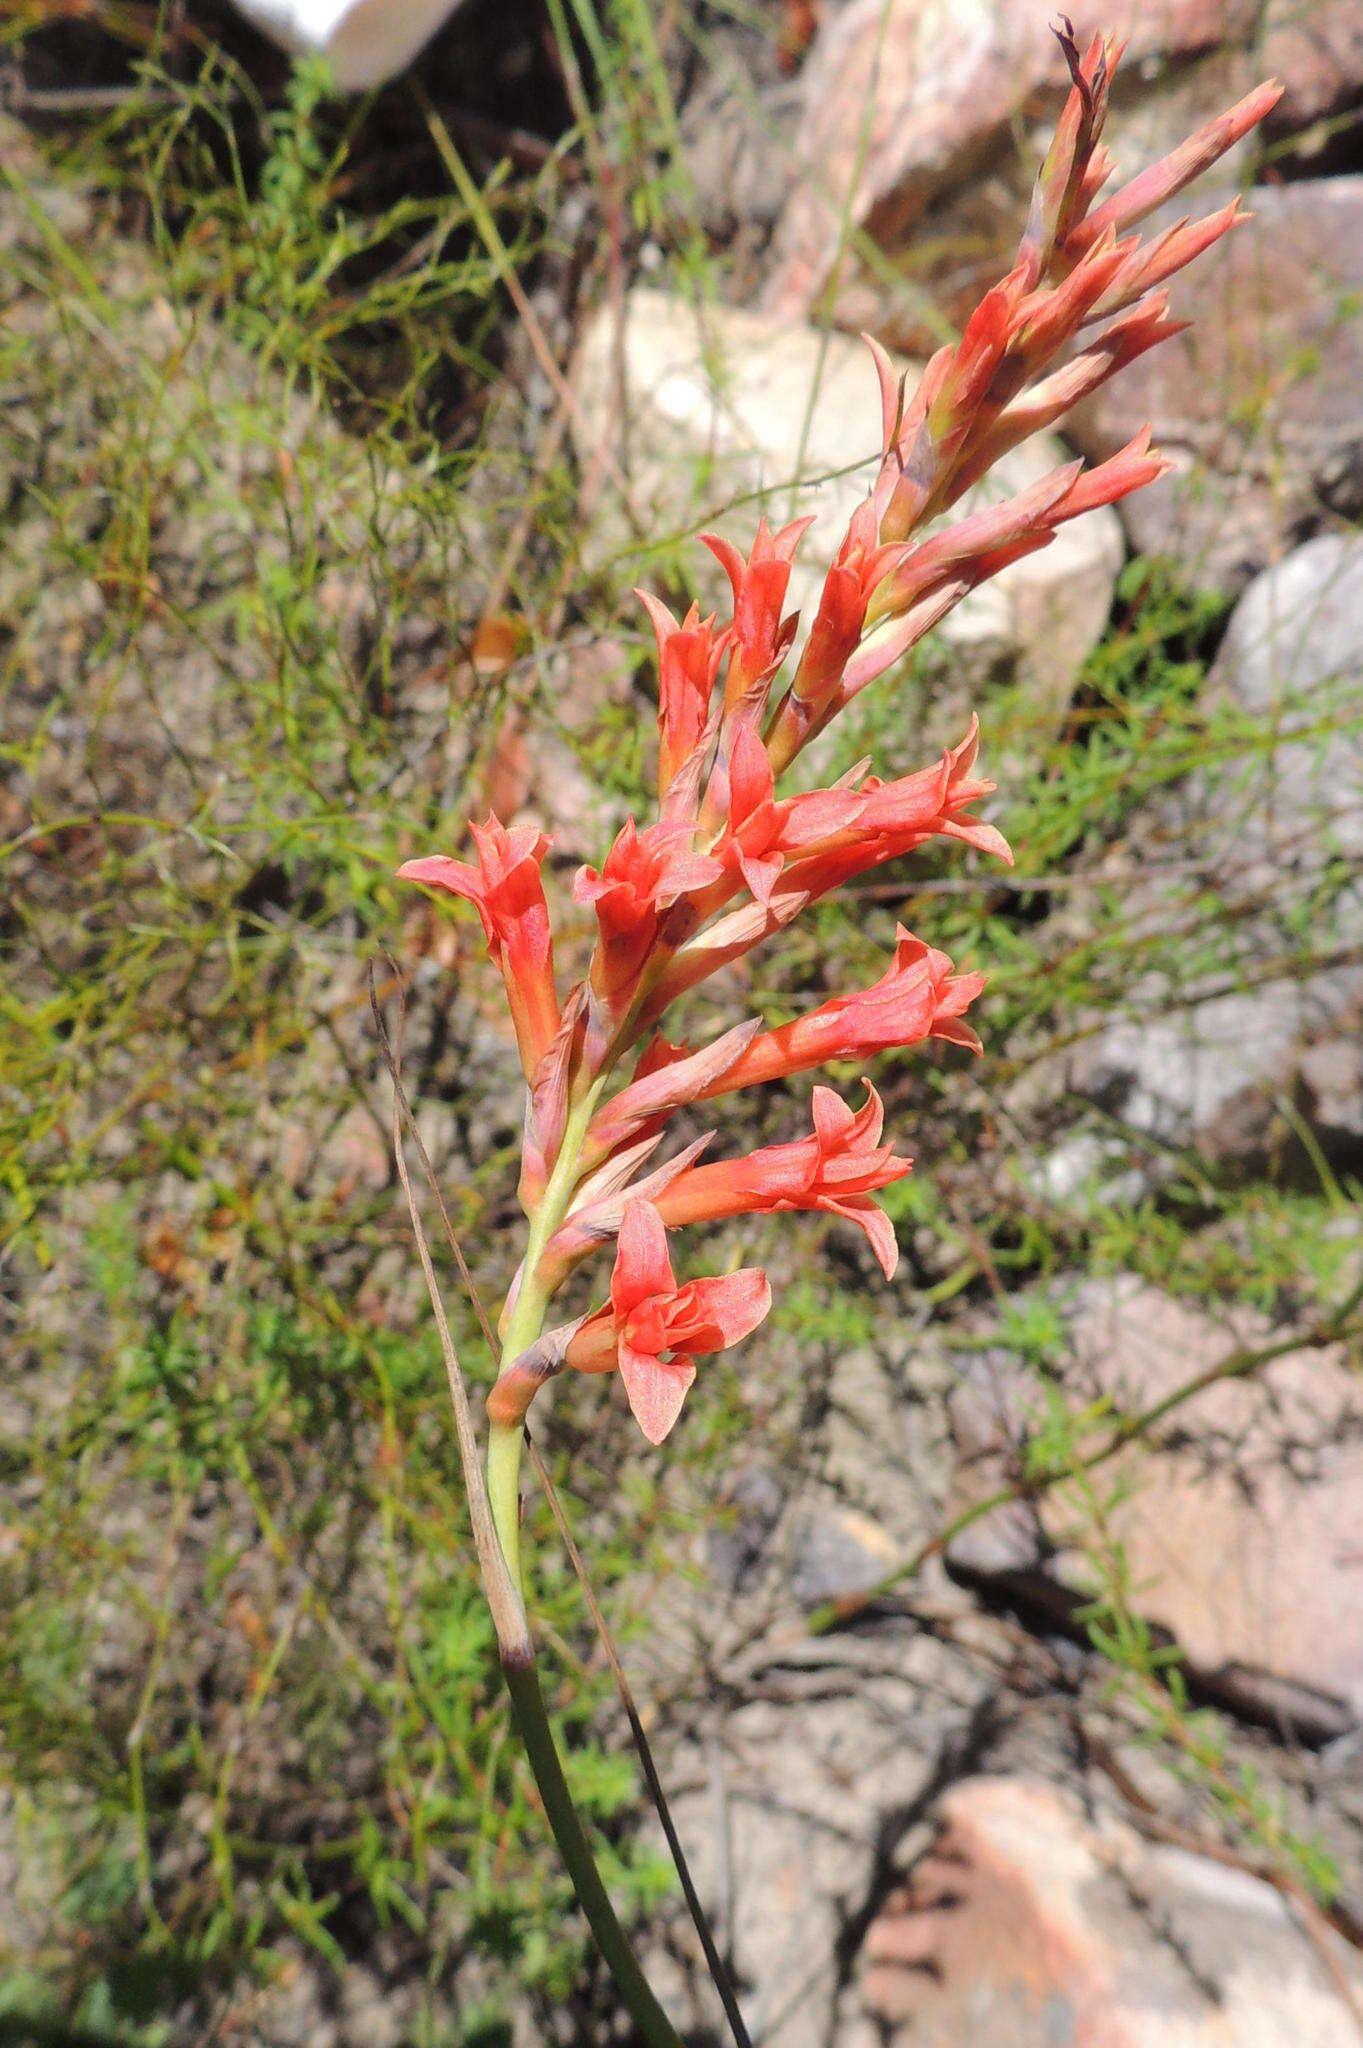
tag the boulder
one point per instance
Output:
(365, 44)
(905, 102)
(1033, 1920)
(716, 412)
(1239, 1522)
(1277, 837)
(1315, 47)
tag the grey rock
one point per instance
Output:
(840, 1553)
(1279, 839)
(1316, 48)
(737, 1547)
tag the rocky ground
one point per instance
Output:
(1002, 1641)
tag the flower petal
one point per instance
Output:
(656, 1388)
(642, 1266)
(709, 1315)
(870, 1217)
(439, 871)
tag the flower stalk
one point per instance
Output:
(731, 859)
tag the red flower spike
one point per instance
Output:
(506, 889)
(918, 997)
(836, 1169)
(654, 1330)
(689, 656)
(642, 877)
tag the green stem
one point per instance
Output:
(533, 1725)
(527, 1320)
(522, 1681)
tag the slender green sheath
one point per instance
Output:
(533, 1725)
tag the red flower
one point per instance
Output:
(763, 832)
(898, 817)
(761, 637)
(858, 569)
(935, 576)
(918, 997)
(689, 656)
(643, 876)
(508, 893)
(837, 1169)
(902, 814)
(653, 1329)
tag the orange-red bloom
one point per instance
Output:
(653, 1330)
(836, 1169)
(641, 878)
(919, 996)
(761, 636)
(764, 831)
(508, 893)
(689, 656)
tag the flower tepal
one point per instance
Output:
(653, 1330)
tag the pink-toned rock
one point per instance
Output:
(1261, 403)
(1240, 1526)
(1029, 1922)
(902, 102)
(1315, 47)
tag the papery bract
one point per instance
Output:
(653, 1330)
